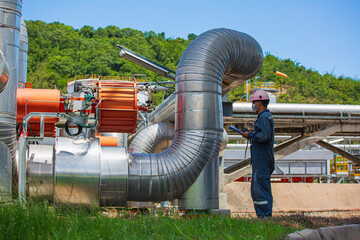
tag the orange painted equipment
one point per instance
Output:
(281, 74)
(108, 141)
(28, 85)
(38, 100)
(118, 107)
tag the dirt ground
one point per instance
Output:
(310, 219)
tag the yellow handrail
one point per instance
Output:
(262, 85)
(98, 77)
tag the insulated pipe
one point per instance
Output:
(10, 19)
(145, 62)
(165, 112)
(23, 55)
(158, 137)
(4, 72)
(153, 139)
(213, 55)
(291, 108)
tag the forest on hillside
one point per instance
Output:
(58, 52)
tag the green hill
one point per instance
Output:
(58, 52)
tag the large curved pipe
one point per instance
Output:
(158, 137)
(166, 110)
(212, 56)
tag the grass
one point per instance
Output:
(42, 221)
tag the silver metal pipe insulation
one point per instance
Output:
(198, 114)
(10, 19)
(306, 109)
(153, 139)
(23, 55)
(145, 62)
(165, 112)
(4, 72)
(158, 137)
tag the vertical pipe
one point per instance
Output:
(23, 55)
(204, 193)
(10, 20)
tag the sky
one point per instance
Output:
(323, 35)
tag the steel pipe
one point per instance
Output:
(165, 112)
(153, 139)
(4, 72)
(198, 114)
(23, 55)
(306, 109)
(145, 62)
(10, 19)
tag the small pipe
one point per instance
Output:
(145, 62)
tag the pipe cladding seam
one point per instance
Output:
(198, 114)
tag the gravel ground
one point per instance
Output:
(311, 219)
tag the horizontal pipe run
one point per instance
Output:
(294, 108)
(240, 137)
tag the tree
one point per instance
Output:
(58, 52)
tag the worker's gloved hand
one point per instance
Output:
(245, 134)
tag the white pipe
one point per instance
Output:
(239, 137)
(341, 146)
(301, 108)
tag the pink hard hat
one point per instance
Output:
(259, 95)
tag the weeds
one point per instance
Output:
(42, 221)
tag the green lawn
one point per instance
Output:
(42, 221)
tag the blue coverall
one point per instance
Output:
(263, 163)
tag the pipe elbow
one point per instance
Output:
(215, 62)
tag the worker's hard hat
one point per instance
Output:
(259, 95)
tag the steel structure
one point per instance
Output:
(303, 124)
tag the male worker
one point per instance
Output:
(262, 155)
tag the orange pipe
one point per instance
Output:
(108, 141)
(38, 100)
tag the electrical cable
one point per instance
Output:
(161, 83)
(67, 130)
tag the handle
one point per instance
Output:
(235, 129)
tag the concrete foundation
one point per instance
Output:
(297, 197)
